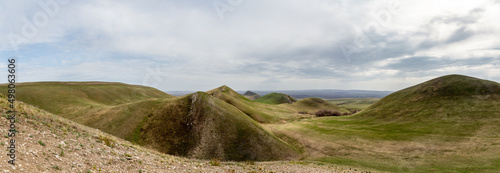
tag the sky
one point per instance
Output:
(198, 45)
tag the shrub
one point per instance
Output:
(107, 140)
(303, 112)
(215, 162)
(326, 113)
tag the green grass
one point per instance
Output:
(226, 132)
(276, 98)
(413, 130)
(353, 104)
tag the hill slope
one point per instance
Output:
(451, 96)
(276, 98)
(251, 95)
(202, 126)
(115, 108)
(256, 111)
(447, 124)
(316, 104)
(49, 143)
(146, 116)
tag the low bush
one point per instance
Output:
(326, 113)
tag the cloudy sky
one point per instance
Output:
(252, 44)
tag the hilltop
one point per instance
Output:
(276, 98)
(446, 124)
(443, 97)
(202, 126)
(198, 125)
(251, 95)
(49, 143)
(316, 104)
(256, 111)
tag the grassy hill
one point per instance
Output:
(251, 95)
(313, 104)
(201, 126)
(146, 116)
(257, 111)
(50, 143)
(447, 97)
(115, 108)
(271, 113)
(353, 104)
(276, 98)
(447, 124)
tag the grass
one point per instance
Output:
(353, 104)
(449, 124)
(412, 130)
(276, 98)
(215, 162)
(245, 139)
(107, 140)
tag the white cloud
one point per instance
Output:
(285, 41)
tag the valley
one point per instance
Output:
(447, 124)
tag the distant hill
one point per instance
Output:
(276, 98)
(330, 94)
(302, 94)
(251, 95)
(455, 96)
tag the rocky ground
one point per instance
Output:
(48, 143)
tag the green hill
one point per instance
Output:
(447, 124)
(202, 126)
(313, 104)
(196, 125)
(256, 111)
(276, 98)
(114, 108)
(251, 95)
(452, 96)
(70, 97)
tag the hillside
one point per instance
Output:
(49, 143)
(447, 124)
(201, 126)
(115, 108)
(276, 98)
(151, 118)
(316, 104)
(256, 111)
(70, 97)
(251, 95)
(452, 96)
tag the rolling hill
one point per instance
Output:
(50, 143)
(251, 95)
(316, 104)
(447, 124)
(276, 98)
(197, 125)
(202, 126)
(257, 111)
(451, 96)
